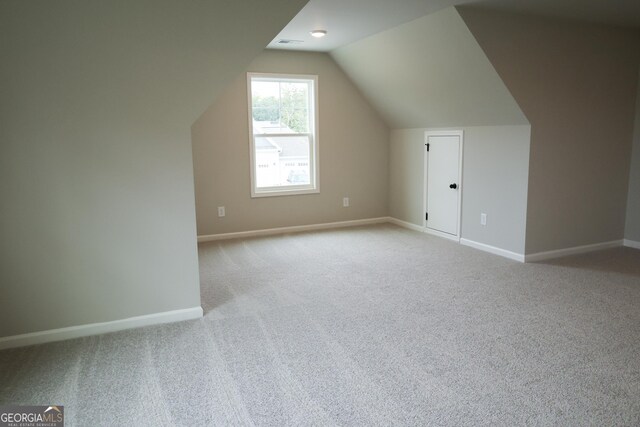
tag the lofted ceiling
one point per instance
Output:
(347, 21)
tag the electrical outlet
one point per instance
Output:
(483, 219)
(221, 211)
(345, 202)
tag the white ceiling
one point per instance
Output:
(444, 79)
(350, 20)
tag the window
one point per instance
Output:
(283, 122)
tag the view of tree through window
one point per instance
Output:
(283, 102)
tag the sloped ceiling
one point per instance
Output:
(624, 13)
(429, 72)
(350, 20)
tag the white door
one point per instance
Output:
(443, 162)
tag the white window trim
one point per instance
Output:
(291, 190)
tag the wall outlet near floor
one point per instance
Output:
(345, 202)
(483, 219)
(221, 211)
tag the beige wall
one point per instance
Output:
(494, 181)
(97, 100)
(406, 175)
(576, 84)
(353, 143)
(632, 229)
(496, 166)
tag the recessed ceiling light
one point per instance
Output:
(319, 33)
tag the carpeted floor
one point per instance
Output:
(365, 326)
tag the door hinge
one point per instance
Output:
(426, 216)
(428, 146)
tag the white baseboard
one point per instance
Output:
(422, 229)
(292, 229)
(541, 256)
(405, 224)
(631, 243)
(99, 328)
(441, 234)
(481, 246)
(492, 249)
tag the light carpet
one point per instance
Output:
(364, 326)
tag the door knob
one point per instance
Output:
(454, 186)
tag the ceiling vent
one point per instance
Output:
(289, 41)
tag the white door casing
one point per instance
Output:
(442, 179)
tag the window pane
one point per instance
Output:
(294, 106)
(265, 103)
(282, 161)
(280, 106)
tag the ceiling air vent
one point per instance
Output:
(289, 41)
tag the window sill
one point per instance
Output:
(280, 192)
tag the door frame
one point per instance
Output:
(425, 189)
